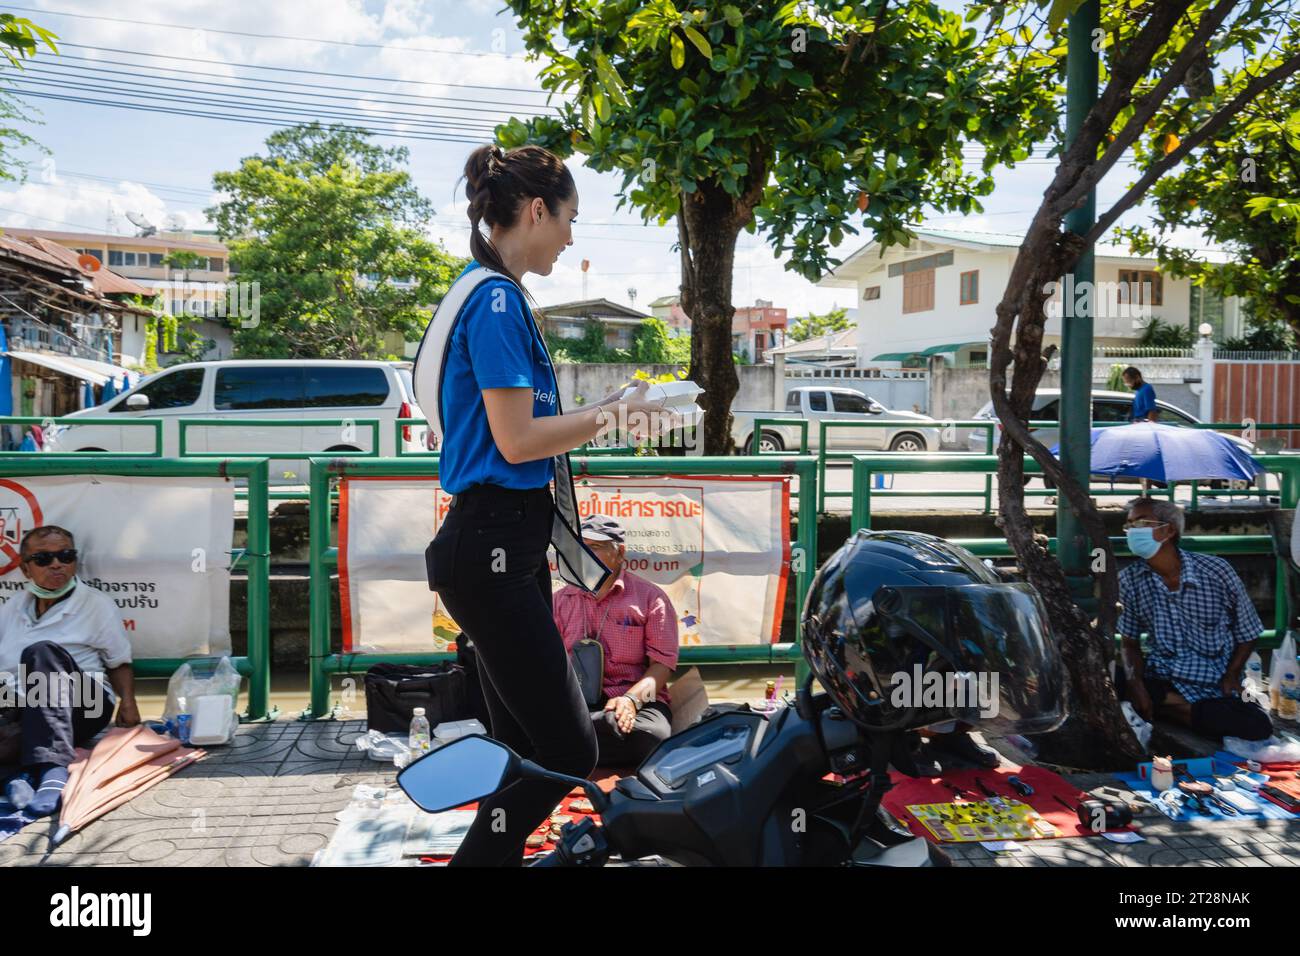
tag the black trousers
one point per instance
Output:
(53, 726)
(654, 724)
(1216, 717)
(488, 564)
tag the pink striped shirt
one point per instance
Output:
(635, 622)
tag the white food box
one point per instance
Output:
(214, 720)
(674, 395)
(450, 730)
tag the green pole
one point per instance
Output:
(318, 634)
(258, 555)
(1077, 321)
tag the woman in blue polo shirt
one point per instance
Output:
(501, 432)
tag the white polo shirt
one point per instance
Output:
(87, 623)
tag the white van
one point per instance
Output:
(257, 389)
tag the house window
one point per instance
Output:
(114, 257)
(155, 260)
(1206, 306)
(871, 293)
(970, 287)
(216, 265)
(1141, 287)
(919, 265)
(918, 291)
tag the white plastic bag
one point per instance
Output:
(1273, 750)
(1141, 729)
(198, 678)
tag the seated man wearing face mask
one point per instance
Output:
(65, 661)
(636, 626)
(1201, 627)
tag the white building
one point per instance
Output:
(937, 297)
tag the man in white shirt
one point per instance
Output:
(65, 661)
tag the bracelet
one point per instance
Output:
(636, 704)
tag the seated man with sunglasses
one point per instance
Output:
(65, 661)
(1201, 625)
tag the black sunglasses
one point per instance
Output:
(44, 559)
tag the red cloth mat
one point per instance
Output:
(914, 791)
(601, 777)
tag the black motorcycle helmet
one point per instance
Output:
(905, 630)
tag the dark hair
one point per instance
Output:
(497, 183)
(1132, 372)
(44, 531)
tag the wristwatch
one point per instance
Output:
(636, 704)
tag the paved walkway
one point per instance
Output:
(270, 799)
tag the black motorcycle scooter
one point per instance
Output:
(741, 788)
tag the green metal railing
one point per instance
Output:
(256, 557)
(323, 556)
(45, 421)
(1286, 467)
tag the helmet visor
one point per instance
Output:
(993, 660)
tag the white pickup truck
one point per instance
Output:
(907, 431)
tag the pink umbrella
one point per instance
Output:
(126, 762)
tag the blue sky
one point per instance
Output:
(106, 161)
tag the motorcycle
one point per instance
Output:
(794, 785)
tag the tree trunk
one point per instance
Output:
(708, 224)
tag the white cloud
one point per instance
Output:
(72, 205)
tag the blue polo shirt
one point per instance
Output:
(496, 344)
(1144, 401)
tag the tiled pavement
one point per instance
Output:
(270, 799)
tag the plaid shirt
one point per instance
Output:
(1194, 629)
(635, 622)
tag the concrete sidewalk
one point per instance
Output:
(270, 799)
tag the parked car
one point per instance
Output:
(913, 433)
(1106, 407)
(231, 390)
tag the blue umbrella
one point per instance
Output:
(108, 391)
(88, 395)
(1167, 453)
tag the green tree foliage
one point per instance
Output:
(324, 222)
(653, 345)
(20, 40)
(1242, 191)
(812, 325)
(1165, 335)
(811, 119)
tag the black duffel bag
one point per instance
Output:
(393, 691)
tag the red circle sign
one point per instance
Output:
(7, 545)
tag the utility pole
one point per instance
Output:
(1077, 320)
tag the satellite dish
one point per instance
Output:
(175, 222)
(144, 225)
(88, 263)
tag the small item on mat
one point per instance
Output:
(985, 788)
(1223, 805)
(1195, 787)
(1062, 802)
(1022, 788)
(1241, 802)
(1248, 781)
(560, 819)
(1223, 781)
(1122, 796)
(535, 840)
(1162, 774)
(582, 805)
(961, 794)
(1281, 798)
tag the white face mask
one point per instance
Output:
(47, 593)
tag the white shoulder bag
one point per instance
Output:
(577, 563)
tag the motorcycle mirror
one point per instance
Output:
(465, 770)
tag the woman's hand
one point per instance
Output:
(638, 416)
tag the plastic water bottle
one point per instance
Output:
(1255, 670)
(1289, 693)
(418, 738)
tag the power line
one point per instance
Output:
(256, 121)
(285, 69)
(265, 36)
(315, 88)
(433, 121)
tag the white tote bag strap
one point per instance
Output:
(577, 563)
(431, 357)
